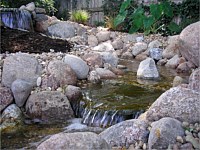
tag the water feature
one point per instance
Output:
(17, 19)
(103, 105)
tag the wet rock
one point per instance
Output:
(179, 103)
(189, 43)
(173, 47)
(21, 90)
(93, 59)
(61, 29)
(92, 40)
(76, 141)
(194, 80)
(105, 73)
(164, 132)
(11, 118)
(6, 97)
(73, 93)
(106, 46)
(117, 44)
(79, 66)
(63, 73)
(49, 107)
(110, 58)
(20, 66)
(178, 80)
(139, 48)
(103, 36)
(156, 53)
(126, 133)
(173, 62)
(94, 77)
(147, 69)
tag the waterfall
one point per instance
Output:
(106, 118)
(17, 19)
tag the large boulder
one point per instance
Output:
(61, 29)
(194, 80)
(73, 93)
(189, 43)
(74, 141)
(21, 90)
(164, 133)
(147, 69)
(11, 118)
(20, 66)
(62, 72)
(49, 107)
(79, 66)
(105, 73)
(126, 133)
(6, 97)
(172, 48)
(179, 103)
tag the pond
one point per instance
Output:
(102, 105)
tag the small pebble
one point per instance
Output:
(39, 81)
(185, 124)
(179, 139)
(144, 146)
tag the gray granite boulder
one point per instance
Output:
(179, 103)
(63, 73)
(189, 43)
(164, 133)
(6, 97)
(93, 59)
(74, 141)
(92, 40)
(20, 66)
(21, 90)
(105, 73)
(61, 29)
(103, 36)
(156, 53)
(147, 69)
(73, 93)
(139, 48)
(79, 66)
(126, 133)
(49, 107)
(173, 62)
(110, 58)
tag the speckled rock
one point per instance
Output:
(156, 53)
(63, 73)
(173, 62)
(20, 66)
(103, 36)
(6, 97)
(73, 93)
(74, 141)
(139, 48)
(92, 40)
(11, 118)
(110, 58)
(164, 132)
(147, 69)
(21, 90)
(49, 107)
(189, 43)
(104, 47)
(126, 133)
(179, 103)
(79, 66)
(194, 80)
(93, 59)
(117, 44)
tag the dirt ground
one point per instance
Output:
(16, 40)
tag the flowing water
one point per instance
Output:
(17, 19)
(102, 105)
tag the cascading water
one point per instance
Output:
(17, 19)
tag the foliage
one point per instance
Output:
(80, 16)
(47, 4)
(157, 18)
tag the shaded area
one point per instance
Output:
(16, 40)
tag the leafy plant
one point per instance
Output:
(80, 16)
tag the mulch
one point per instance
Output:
(13, 41)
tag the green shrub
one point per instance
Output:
(80, 16)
